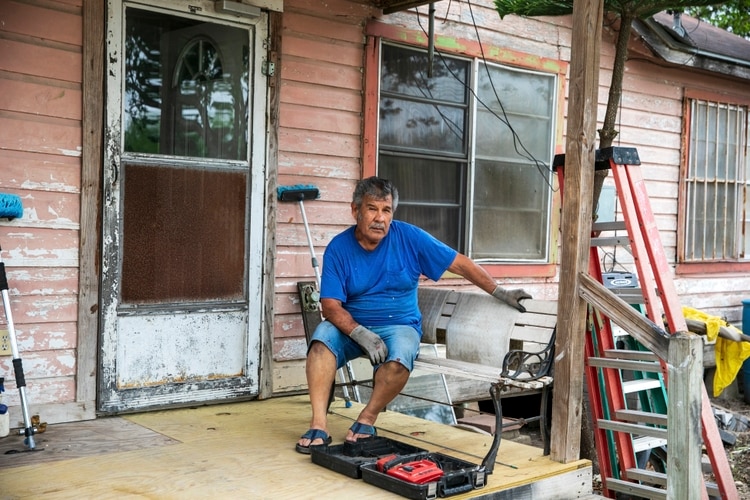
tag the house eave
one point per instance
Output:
(675, 52)
(391, 6)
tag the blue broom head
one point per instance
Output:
(298, 192)
(10, 206)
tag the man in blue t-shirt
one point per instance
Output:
(369, 299)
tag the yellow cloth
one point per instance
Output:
(729, 354)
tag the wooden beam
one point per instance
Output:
(624, 315)
(90, 224)
(684, 416)
(576, 226)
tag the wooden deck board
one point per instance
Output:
(246, 450)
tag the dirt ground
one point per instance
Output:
(739, 453)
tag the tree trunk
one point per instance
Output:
(608, 132)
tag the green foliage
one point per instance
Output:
(639, 9)
(733, 16)
(533, 8)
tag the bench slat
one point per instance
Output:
(478, 372)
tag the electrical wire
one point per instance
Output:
(542, 167)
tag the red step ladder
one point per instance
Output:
(615, 424)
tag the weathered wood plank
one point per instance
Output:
(39, 247)
(323, 143)
(42, 21)
(42, 365)
(321, 97)
(39, 172)
(326, 28)
(49, 209)
(290, 349)
(325, 167)
(30, 281)
(336, 9)
(576, 223)
(40, 134)
(624, 315)
(310, 71)
(43, 393)
(39, 99)
(316, 119)
(85, 439)
(685, 367)
(325, 50)
(43, 309)
(41, 61)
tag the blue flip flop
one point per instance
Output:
(312, 435)
(360, 428)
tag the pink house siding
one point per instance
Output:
(320, 119)
(40, 160)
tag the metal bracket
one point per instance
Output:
(268, 68)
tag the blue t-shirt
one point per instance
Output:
(379, 287)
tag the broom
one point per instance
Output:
(11, 208)
(300, 193)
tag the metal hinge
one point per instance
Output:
(268, 68)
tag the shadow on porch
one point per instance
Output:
(246, 450)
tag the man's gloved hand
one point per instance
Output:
(371, 344)
(511, 297)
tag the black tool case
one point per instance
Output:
(458, 477)
(360, 460)
(348, 458)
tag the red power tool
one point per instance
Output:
(417, 472)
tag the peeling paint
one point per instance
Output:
(70, 152)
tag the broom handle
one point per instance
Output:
(17, 363)
(310, 243)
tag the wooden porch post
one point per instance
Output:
(576, 228)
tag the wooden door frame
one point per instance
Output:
(93, 105)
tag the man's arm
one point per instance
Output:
(467, 268)
(476, 274)
(334, 312)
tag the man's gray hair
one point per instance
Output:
(377, 188)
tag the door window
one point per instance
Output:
(184, 95)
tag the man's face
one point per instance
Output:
(373, 220)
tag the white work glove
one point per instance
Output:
(371, 344)
(511, 297)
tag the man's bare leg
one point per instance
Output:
(321, 372)
(390, 378)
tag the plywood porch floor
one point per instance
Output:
(246, 450)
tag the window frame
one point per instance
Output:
(378, 31)
(683, 266)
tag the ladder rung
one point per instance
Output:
(639, 385)
(660, 479)
(629, 295)
(625, 364)
(631, 354)
(615, 225)
(637, 429)
(646, 443)
(640, 490)
(610, 241)
(641, 417)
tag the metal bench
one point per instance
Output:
(490, 342)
